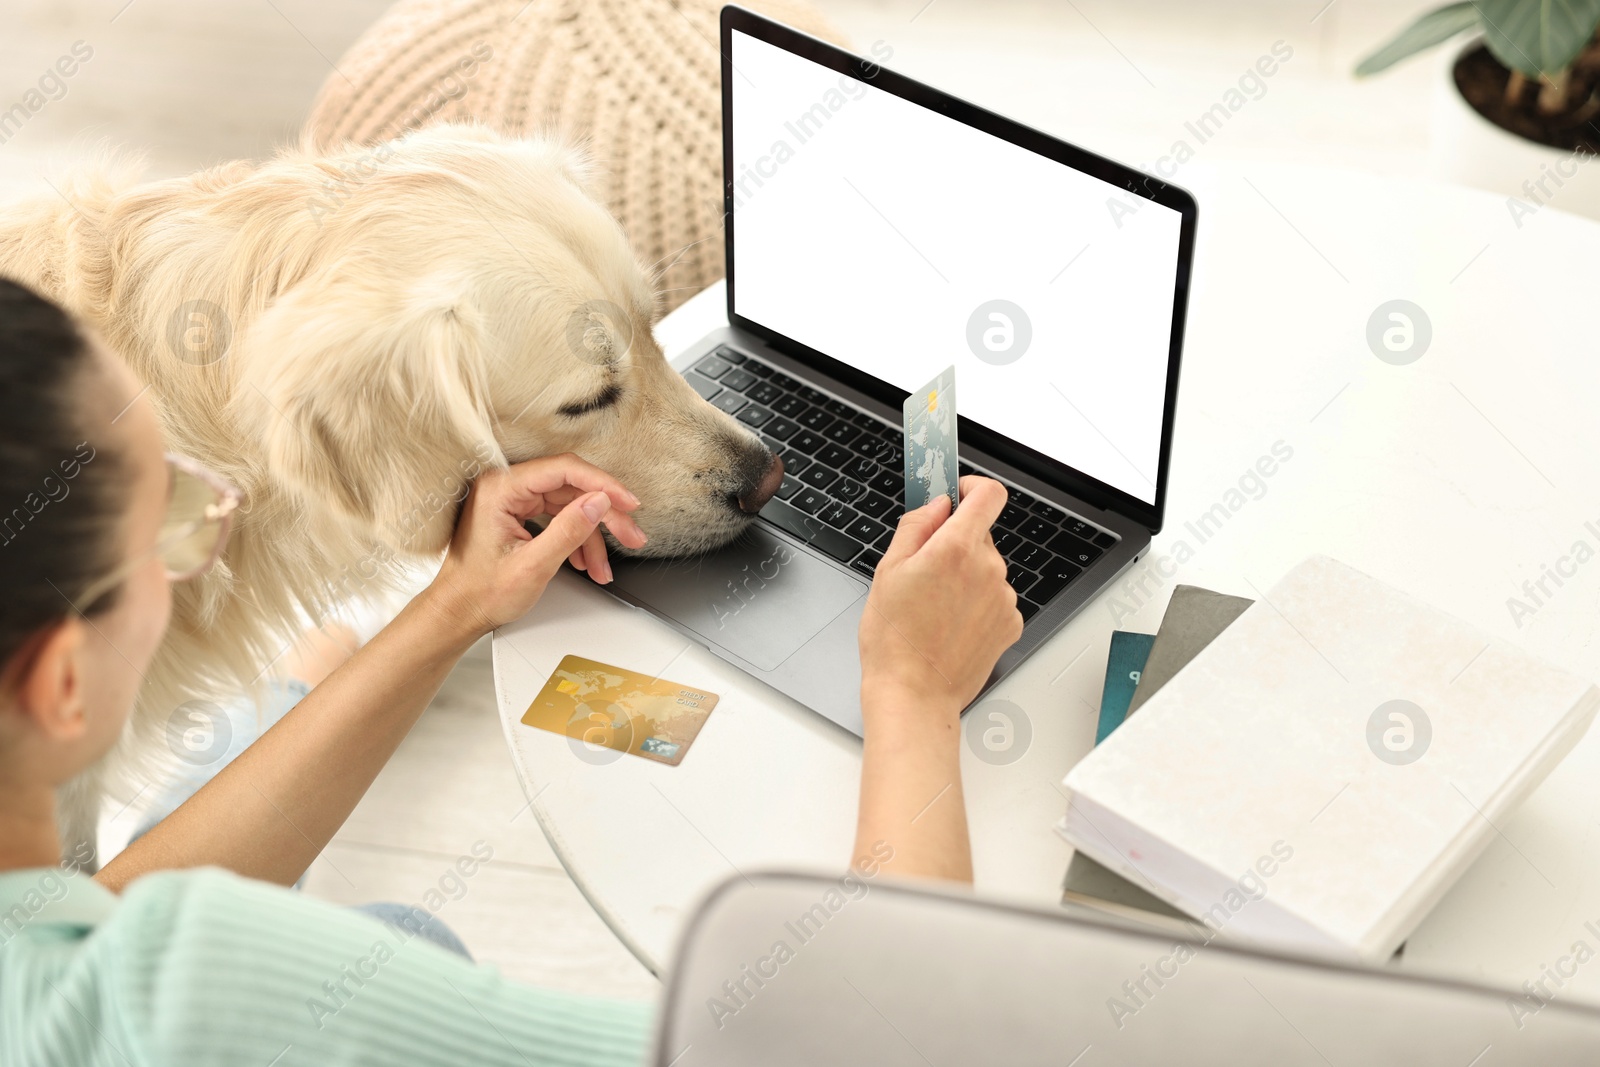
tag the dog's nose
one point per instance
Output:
(751, 499)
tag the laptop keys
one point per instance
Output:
(753, 415)
(874, 505)
(1036, 529)
(1033, 557)
(842, 433)
(819, 477)
(865, 530)
(814, 419)
(888, 483)
(1019, 578)
(848, 490)
(702, 385)
(818, 437)
(1075, 551)
(880, 452)
(1079, 529)
(762, 392)
(713, 367)
(807, 500)
(1011, 516)
(789, 406)
(837, 515)
(859, 467)
(833, 456)
(807, 442)
(1059, 575)
(867, 562)
(810, 530)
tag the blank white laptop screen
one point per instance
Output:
(899, 241)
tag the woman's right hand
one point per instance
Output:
(496, 570)
(940, 612)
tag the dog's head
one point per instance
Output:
(469, 303)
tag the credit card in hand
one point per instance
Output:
(616, 708)
(930, 415)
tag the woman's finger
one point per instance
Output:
(916, 527)
(982, 500)
(564, 536)
(620, 523)
(528, 482)
(576, 559)
(617, 520)
(594, 558)
(624, 529)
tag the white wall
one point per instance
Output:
(198, 81)
(193, 82)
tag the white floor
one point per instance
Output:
(192, 82)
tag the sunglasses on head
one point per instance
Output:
(200, 507)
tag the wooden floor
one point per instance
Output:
(448, 789)
(195, 82)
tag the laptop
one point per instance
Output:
(878, 231)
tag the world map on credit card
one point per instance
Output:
(615, 708)
(930, 424)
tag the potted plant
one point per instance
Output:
(1521, 112)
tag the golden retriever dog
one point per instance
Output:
(351, 338)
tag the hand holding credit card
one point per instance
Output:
(930, 424)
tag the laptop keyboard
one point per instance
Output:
(844, 481)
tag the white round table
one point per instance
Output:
(1455, 477)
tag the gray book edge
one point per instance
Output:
(1090, 884)
(1193, 619)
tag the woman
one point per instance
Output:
(219, 965)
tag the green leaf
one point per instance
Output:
(1436, 26)
(1538, 36)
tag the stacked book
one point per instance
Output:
(1311, 771)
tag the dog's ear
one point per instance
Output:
(559, 152)
(376, 410)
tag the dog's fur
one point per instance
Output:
(376, 327)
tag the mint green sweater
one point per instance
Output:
(206, 968)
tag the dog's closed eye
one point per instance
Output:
(604, 399)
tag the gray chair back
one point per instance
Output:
(778, 969)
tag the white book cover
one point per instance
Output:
(1320, 774)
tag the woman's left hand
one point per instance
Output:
(495, 570)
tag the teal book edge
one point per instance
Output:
(1129, 651)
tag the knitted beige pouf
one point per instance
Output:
(636, 80)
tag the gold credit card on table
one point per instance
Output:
(611, 707)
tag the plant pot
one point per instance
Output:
(1468, 149)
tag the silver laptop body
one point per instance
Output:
(784, 602)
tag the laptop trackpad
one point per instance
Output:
(760, 599)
